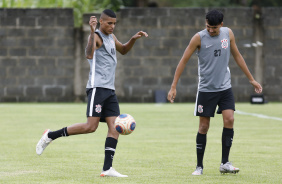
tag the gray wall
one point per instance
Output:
(42, 55)
(272, 50)
(36, 54)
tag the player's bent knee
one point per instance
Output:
(90, 128)
(91, 125)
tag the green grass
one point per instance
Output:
(160, 150)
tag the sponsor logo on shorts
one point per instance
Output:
(98, 108)
(200, 109)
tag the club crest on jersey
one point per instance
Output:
(200, 109)
(98, 108)
(224, 43)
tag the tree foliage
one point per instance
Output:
(217, 3)
(79, 6)
(85, 6)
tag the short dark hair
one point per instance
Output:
(214, 17)
(110, 13)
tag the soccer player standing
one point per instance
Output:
(213, 46)
(102, 104)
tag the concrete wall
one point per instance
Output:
(36, 54)
(272, 49)
(42, 55)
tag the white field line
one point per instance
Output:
(258, 115)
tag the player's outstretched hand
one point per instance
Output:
(171, 95)
(140, 34)
(257, 86)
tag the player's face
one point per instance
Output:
(108, 25)
(213, 30)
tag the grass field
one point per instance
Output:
(160, 150)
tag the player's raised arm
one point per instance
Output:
(241, 63)
(124, 48)
(93, 39)
(194, 44)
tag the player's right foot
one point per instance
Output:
(198, 171)
(112, 173)
(43, 142)
(228, 168)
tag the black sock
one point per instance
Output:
(59, 133)
(227, 138)
(110, 148)
(201, 141)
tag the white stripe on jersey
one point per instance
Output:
(93, 70)
(92, 102)
(228, 70)
(195, 110)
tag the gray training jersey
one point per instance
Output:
(213, 59)
(103, 64)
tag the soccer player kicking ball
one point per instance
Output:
(213, 46)
(102, 104)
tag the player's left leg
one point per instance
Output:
(227, 138)
(110, 148)
(227, 108)
(111, 111)
(227, 134)
(111, 143)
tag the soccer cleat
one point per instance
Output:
(228, 168)
(111, 173)
(198, 171)
(43, 142)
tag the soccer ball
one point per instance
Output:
(125, 124)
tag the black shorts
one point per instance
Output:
(206, 102)
(102, 103)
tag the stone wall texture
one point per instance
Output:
(36, 54)
(42, 54)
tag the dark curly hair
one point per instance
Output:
(214, 17)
